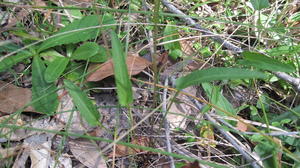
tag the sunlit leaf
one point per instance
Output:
(44, 94)
(124, 88)
(212, 74)
(86, 108)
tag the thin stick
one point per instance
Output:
(166, 124)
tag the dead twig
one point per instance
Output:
(166, 124)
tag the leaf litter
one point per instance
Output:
(113, 120)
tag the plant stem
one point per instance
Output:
(154, 55)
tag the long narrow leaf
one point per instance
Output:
(215, 97)
(212, 74)
(121, 74)
(12, 60)
(44, 94)
(86, 108)
(266, 63)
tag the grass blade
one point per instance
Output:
(121, 74)
(221, 73)
(86, 108)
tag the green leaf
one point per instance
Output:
(101, 56)
(85, 51)
(50, 55)
(8, 62)
(216, 98)
(284, 50)
(56, 68)
(268, 150)
(261, 61)
(44, 94)
(86, 108)
(260, 4)
(124, 88)
(212, 74)
(72, 33)
(171, 33)
(176, 53)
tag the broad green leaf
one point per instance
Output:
(266, 63)
(86, 108)
(76, 71)
(124, 88)
(85, 51)
(66, 36)
(79, 30)
(177, 53)
(212, 74)
(171, 33)
(50, 55)
(260, 4)
(55, 69)
(101, 56)
(8, 62)
(216, 98)
(44, 94)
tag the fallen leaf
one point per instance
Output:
(12, 98)
(241, 126)
(9, 152)
(122, 150)
(87, 152)
(135, 65)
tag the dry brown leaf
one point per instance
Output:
(241, 126)
(122, 150)
(87, 152)
(13, 98)
(9, 152)
(135, 65)
(187, 47)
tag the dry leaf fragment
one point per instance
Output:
(87, 152)
(135, 65)
(241, 126)
(13, 98)
(122, 150)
